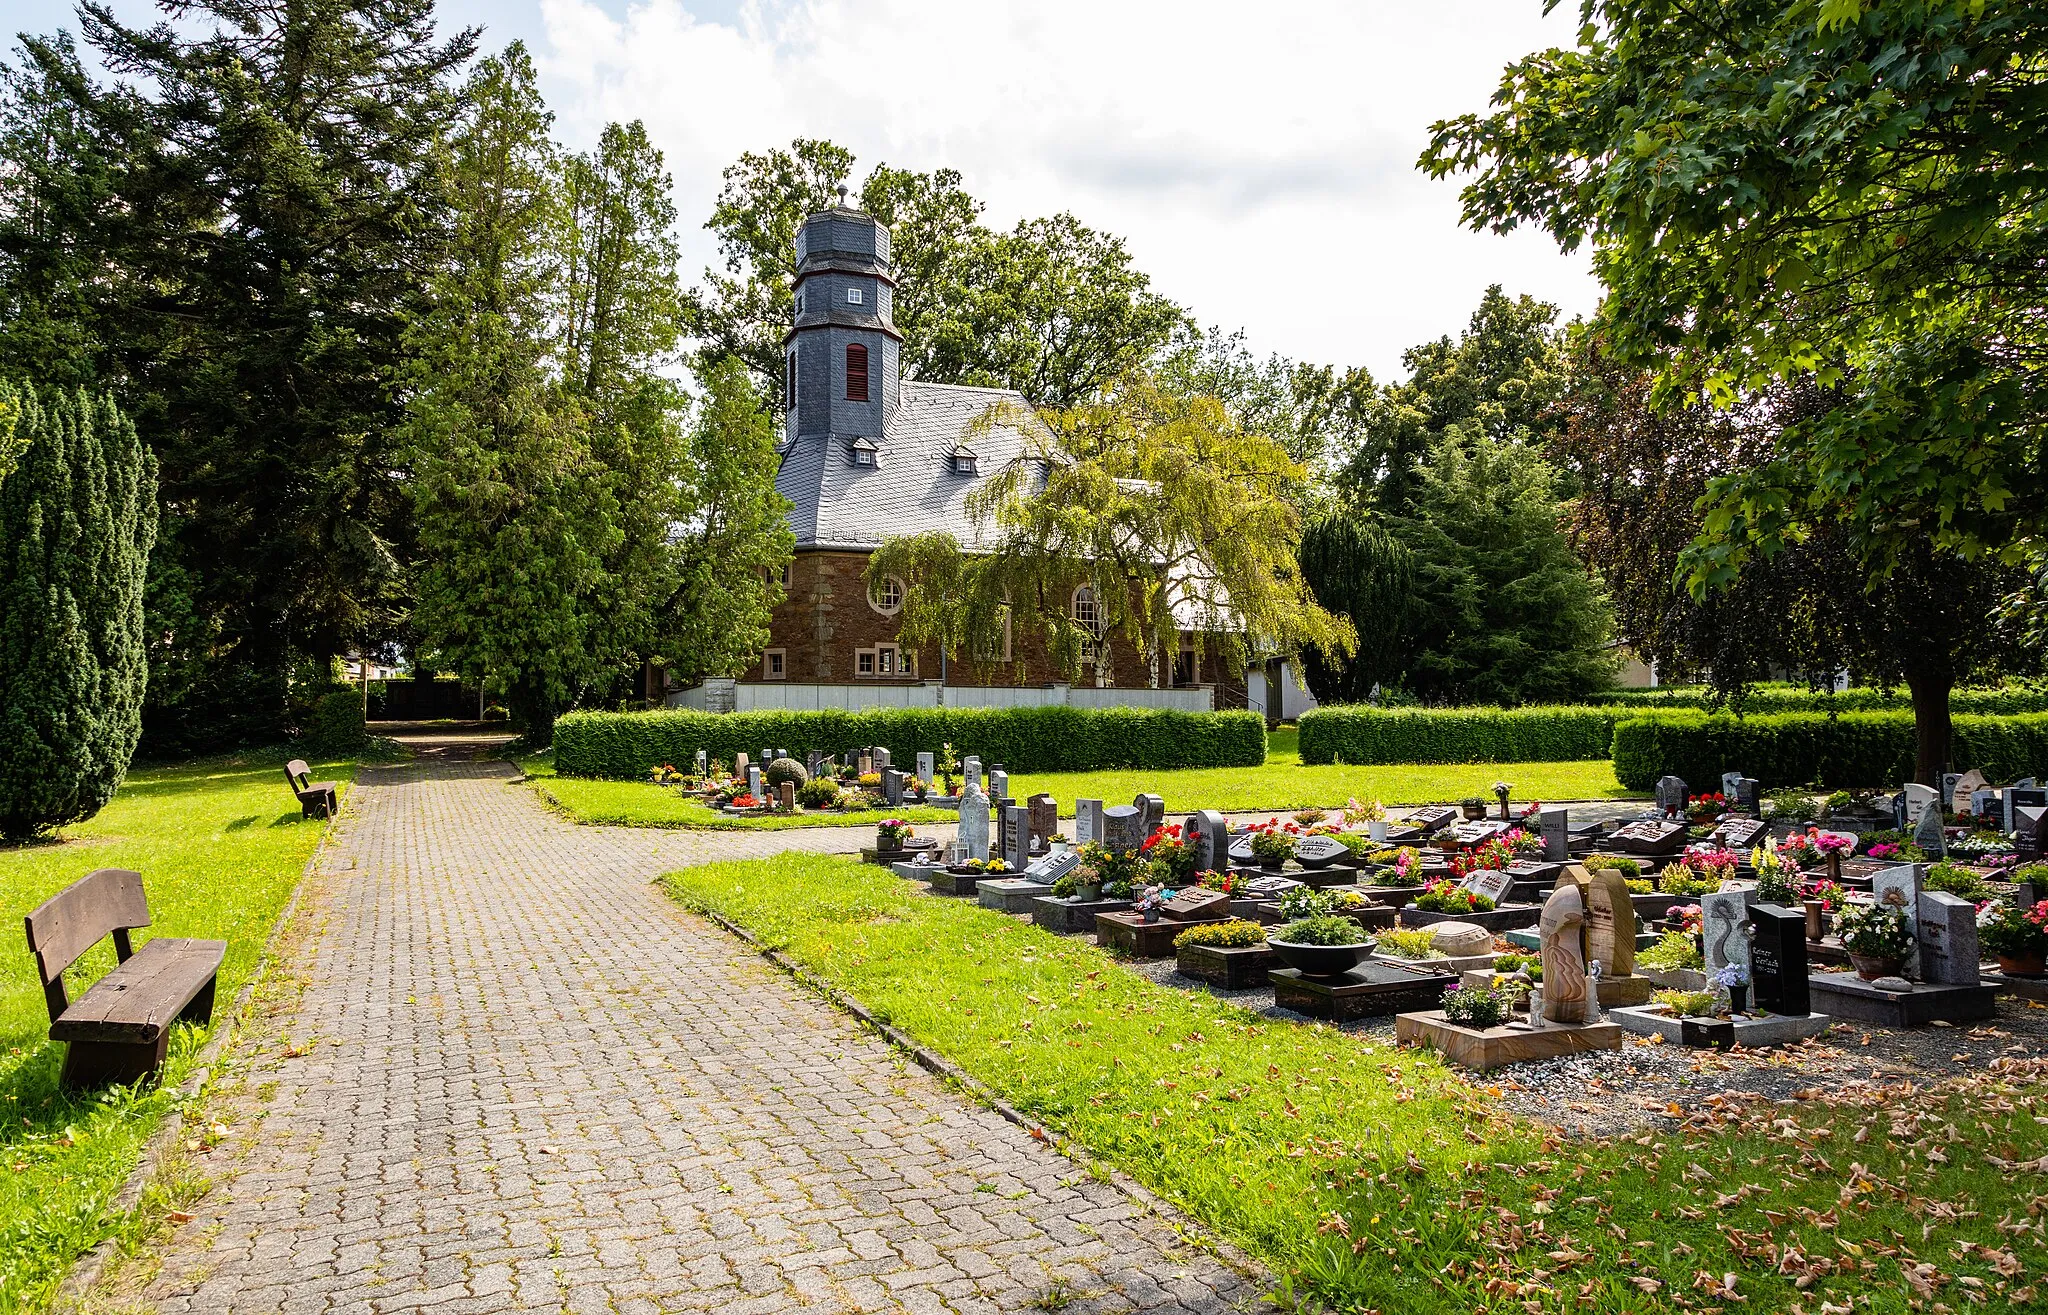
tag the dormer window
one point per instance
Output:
(861, 452)
(853, 296)
(963, 461)
(856, 372)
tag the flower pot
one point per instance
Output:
(1738, 999)
(1088, 894)
(1321, 960)
(1870, 967)
(1152, 915)
(1378, 832)
(1473, 812)
(2032, 965)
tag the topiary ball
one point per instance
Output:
(786, 769)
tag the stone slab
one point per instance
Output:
(1454, 964)
(1847, 996)
(1374, 989)
(2026, 988)
(1232, 968)
(1072, 917)
(1128, 933)
(1011, 894)
(1774, 1030)
(1499, 1046)
(1508, 917)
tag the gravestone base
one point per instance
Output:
(2026, 987)
(945, 881)
(1674, 979)
(1227, 968)
(1455, 964)
(1508, 917)
(1072, 917)
(1847, 996)
(1615, 992)
(1772, 1030)
(1498, 1046)
(1011, 894)
(1130, 934)
(1373, 989)
(1826, 952)
(1394, 897)
(917, 871)
(1317, 877)
(908, 853)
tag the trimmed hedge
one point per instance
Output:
(628, 745)
(1361, 735)
(1795, 748)
(1997, 700)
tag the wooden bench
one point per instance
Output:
(120, 1029)
(316, 798)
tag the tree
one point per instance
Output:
(77, 519)
(1312, 410)
(1361, 572)
(1844, 191)
(1499, 379)
(732, 535)
(1175, 517)
(1503, 612)
(516, 518)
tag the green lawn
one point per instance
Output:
(1380, 1180)
(219, 846)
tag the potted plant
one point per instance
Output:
(2019, 937)
(1323, 945)
(1373, 815)
(891, 833)
(1706, 807)
(1478, 1009)
(1449, 897)
(1774, 877)
(1734, 979)
(1473, 808)
(1271, 846)
(1087, 883)
(1172, 854)
(1878, 938)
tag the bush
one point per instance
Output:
(1477, 1009)
(1365, 735)
(623, 745)
(1857, 749)
(1324, 929)
(821, 793)
(1629, 869)
(1229, 934)
(1958, 881)
(786, 769)
(1673, 950)
(335, 725)
(1998, 700)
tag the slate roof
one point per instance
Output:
(912, 487)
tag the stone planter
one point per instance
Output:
(1507, 917)
(1072, 917)
(1228, 968)
(1870, 967)
(1321, 960)
(2025, 966)
(1472, 812)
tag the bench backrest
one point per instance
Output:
(299, 774)
(73, 920)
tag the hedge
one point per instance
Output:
(1561, 733)
(626, 745)
(1995, 700)
(1798, 748)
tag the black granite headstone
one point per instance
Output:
(1017, 837)
(1749, 796)
(1777, 959)
(892, 787)
(2018, 797)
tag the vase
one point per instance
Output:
(1088, 894)
(2026, 965)
(1870, 967)
(1816, 920)
(1378, 832)
(1738, 999)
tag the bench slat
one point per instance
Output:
(73, 920)
(143, 996)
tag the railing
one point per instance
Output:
(781, 696)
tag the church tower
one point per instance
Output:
(841, 358)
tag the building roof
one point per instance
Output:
(914, 486)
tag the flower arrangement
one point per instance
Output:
(1699, 871)
(1323, 929)
(1902, 851)
(985, 865)
(1407, 870)
(666, 774)
(869, 780)
(1520, 841)
(1691, 919)
(892, 832)
(1171, 853)
(1357, 814)
(1449, 897)
(1310, 816)
(1230, 883)
(1272, 844)
(1706, 807)
(745, 800)
(1959, 881)
(1730, 975)
(1478, 1009)
(1535, 807)
(1830, 894)
(1228, 934)
(1492, 854)
(1774, 877)
(1116, 871)
(1983, 846)
(1877, 930)
(2011, 932)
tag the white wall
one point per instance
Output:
(779, 696)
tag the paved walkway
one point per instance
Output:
(538, 1086)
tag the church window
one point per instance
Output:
(853, 296)
(856, 372)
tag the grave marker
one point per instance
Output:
(1554, 824)
(1195, 905)
(1731, 785)
(1432, 819)
(882, 759)
(999, 783)
(1777, 960)
(814, 763)
(1152, 811)
(785, 796)
(924, 770)
(1918, 797)
(974, 821)
(1723, 940)
(1930, 835)
(1963, 799)
(970, 767)
(892, 786)
(1947, 938)
(703, 762)
(1493, 883)
(1045, 819)
(1317, 852)
(1051, 867)
(2020, 795)
(1899, 888)
(754, 783)
(1209, 835)
(1123, 829)
(739, 766)
(1017, 837)
(1671, 795)
(1749, 797)
(1087, 821)
(1741, 833)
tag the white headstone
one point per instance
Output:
(974, 821)
(1087, 821)
(970, 766)
(1899, 888)
(1731, 785)
(924, 769)
(754, 782)
(999, 785)
(1918, 797)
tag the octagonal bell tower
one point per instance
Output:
(842, 354)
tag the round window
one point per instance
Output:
(887, 596)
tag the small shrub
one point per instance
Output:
(821, 793)
(1530, 965)
(1415, 943)
(786, 769)
(1229, 934)
(1447, 897)
(1958, 881)
(1627, 867)
(1686, 1004)
(1478, 1009)
(1641, 886)
(1325, 929)
(1674, 950)
(336, 723)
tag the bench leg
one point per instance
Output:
(103, 1063)
(200, 1011)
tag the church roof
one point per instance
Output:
(915, 484)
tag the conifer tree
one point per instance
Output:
(77, 521)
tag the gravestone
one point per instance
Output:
(1748, 796)
(1475, 833)
(882, 759)
(1123, 829)
(1051, 867)
(1318, 852)
(1555, 826)
(1045, 819)
(1731, 785)
(1493, 883)
(1899, 888)
(739, 766)
(865, 764)
(1741, 833)
(1930, 835)
(1610, 915)
(1723, 940)
(1649, 838)
(2031, 832)
(1271, 886)
(2018, 796)
(999, 783)
(924, 769)
(1195, 905)
(1432, 819)
(1946, 931)
(1208, 834)
(1671, 796)
(814, 763)
(703, 762)
(1918, 797)
(785, 796)
(1241, 850)
(970, 767)
(974, 821)
(893, 783)
(1152, 810)
(1017, 837)
(1087, 821)
(1948, 788)
(1566, 988)
(754, 782)
(1777, 960)
(1986, 807)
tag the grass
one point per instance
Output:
(219, 845)
(1376, 1179)
(1282, 784)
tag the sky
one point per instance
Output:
(1258, 160)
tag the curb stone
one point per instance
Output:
(1183, 1224)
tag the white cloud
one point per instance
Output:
(1258, 160)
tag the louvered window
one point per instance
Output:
(856, 372)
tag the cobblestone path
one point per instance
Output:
(534, 1084)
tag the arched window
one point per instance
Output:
(1087, 614)
(856, 372)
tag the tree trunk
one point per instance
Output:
(535, 712)
(1931, 726)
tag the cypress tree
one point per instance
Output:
(77, 521)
